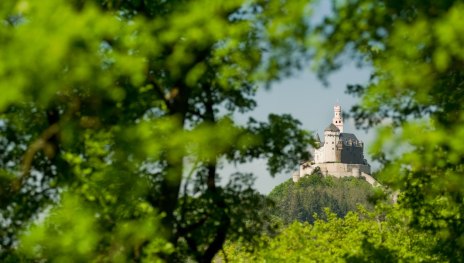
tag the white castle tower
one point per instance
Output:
(338, 119)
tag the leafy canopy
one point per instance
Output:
(414, 49)
(359, 237)
(115, 116)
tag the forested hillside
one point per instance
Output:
(313, 193)
(328, 219)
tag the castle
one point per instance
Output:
(339, 155)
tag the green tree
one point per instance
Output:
(359, 237)
(115, 116)
(414, 49)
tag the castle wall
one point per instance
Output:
(337, 170)
(352, 154)
(343, 169)
(370, 179)
(306, 168)
(319, 155)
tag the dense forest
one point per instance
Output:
(314, 193)
(117, 115)
(361, 236)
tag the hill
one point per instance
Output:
(302, 200)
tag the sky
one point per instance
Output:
(308, 100)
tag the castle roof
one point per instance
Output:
(345, 137)
(332, 128)
(318, 139)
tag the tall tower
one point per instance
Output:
(331, 138)
(338, 119)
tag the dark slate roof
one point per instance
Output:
(332, 127)
(345, 137)
(317, 138)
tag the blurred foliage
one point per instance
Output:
(116, 115)
(414, 49)
(307, 199)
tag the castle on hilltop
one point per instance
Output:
(339, 155)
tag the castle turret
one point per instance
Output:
(331, 136)
(338, 119)
(317, 141)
